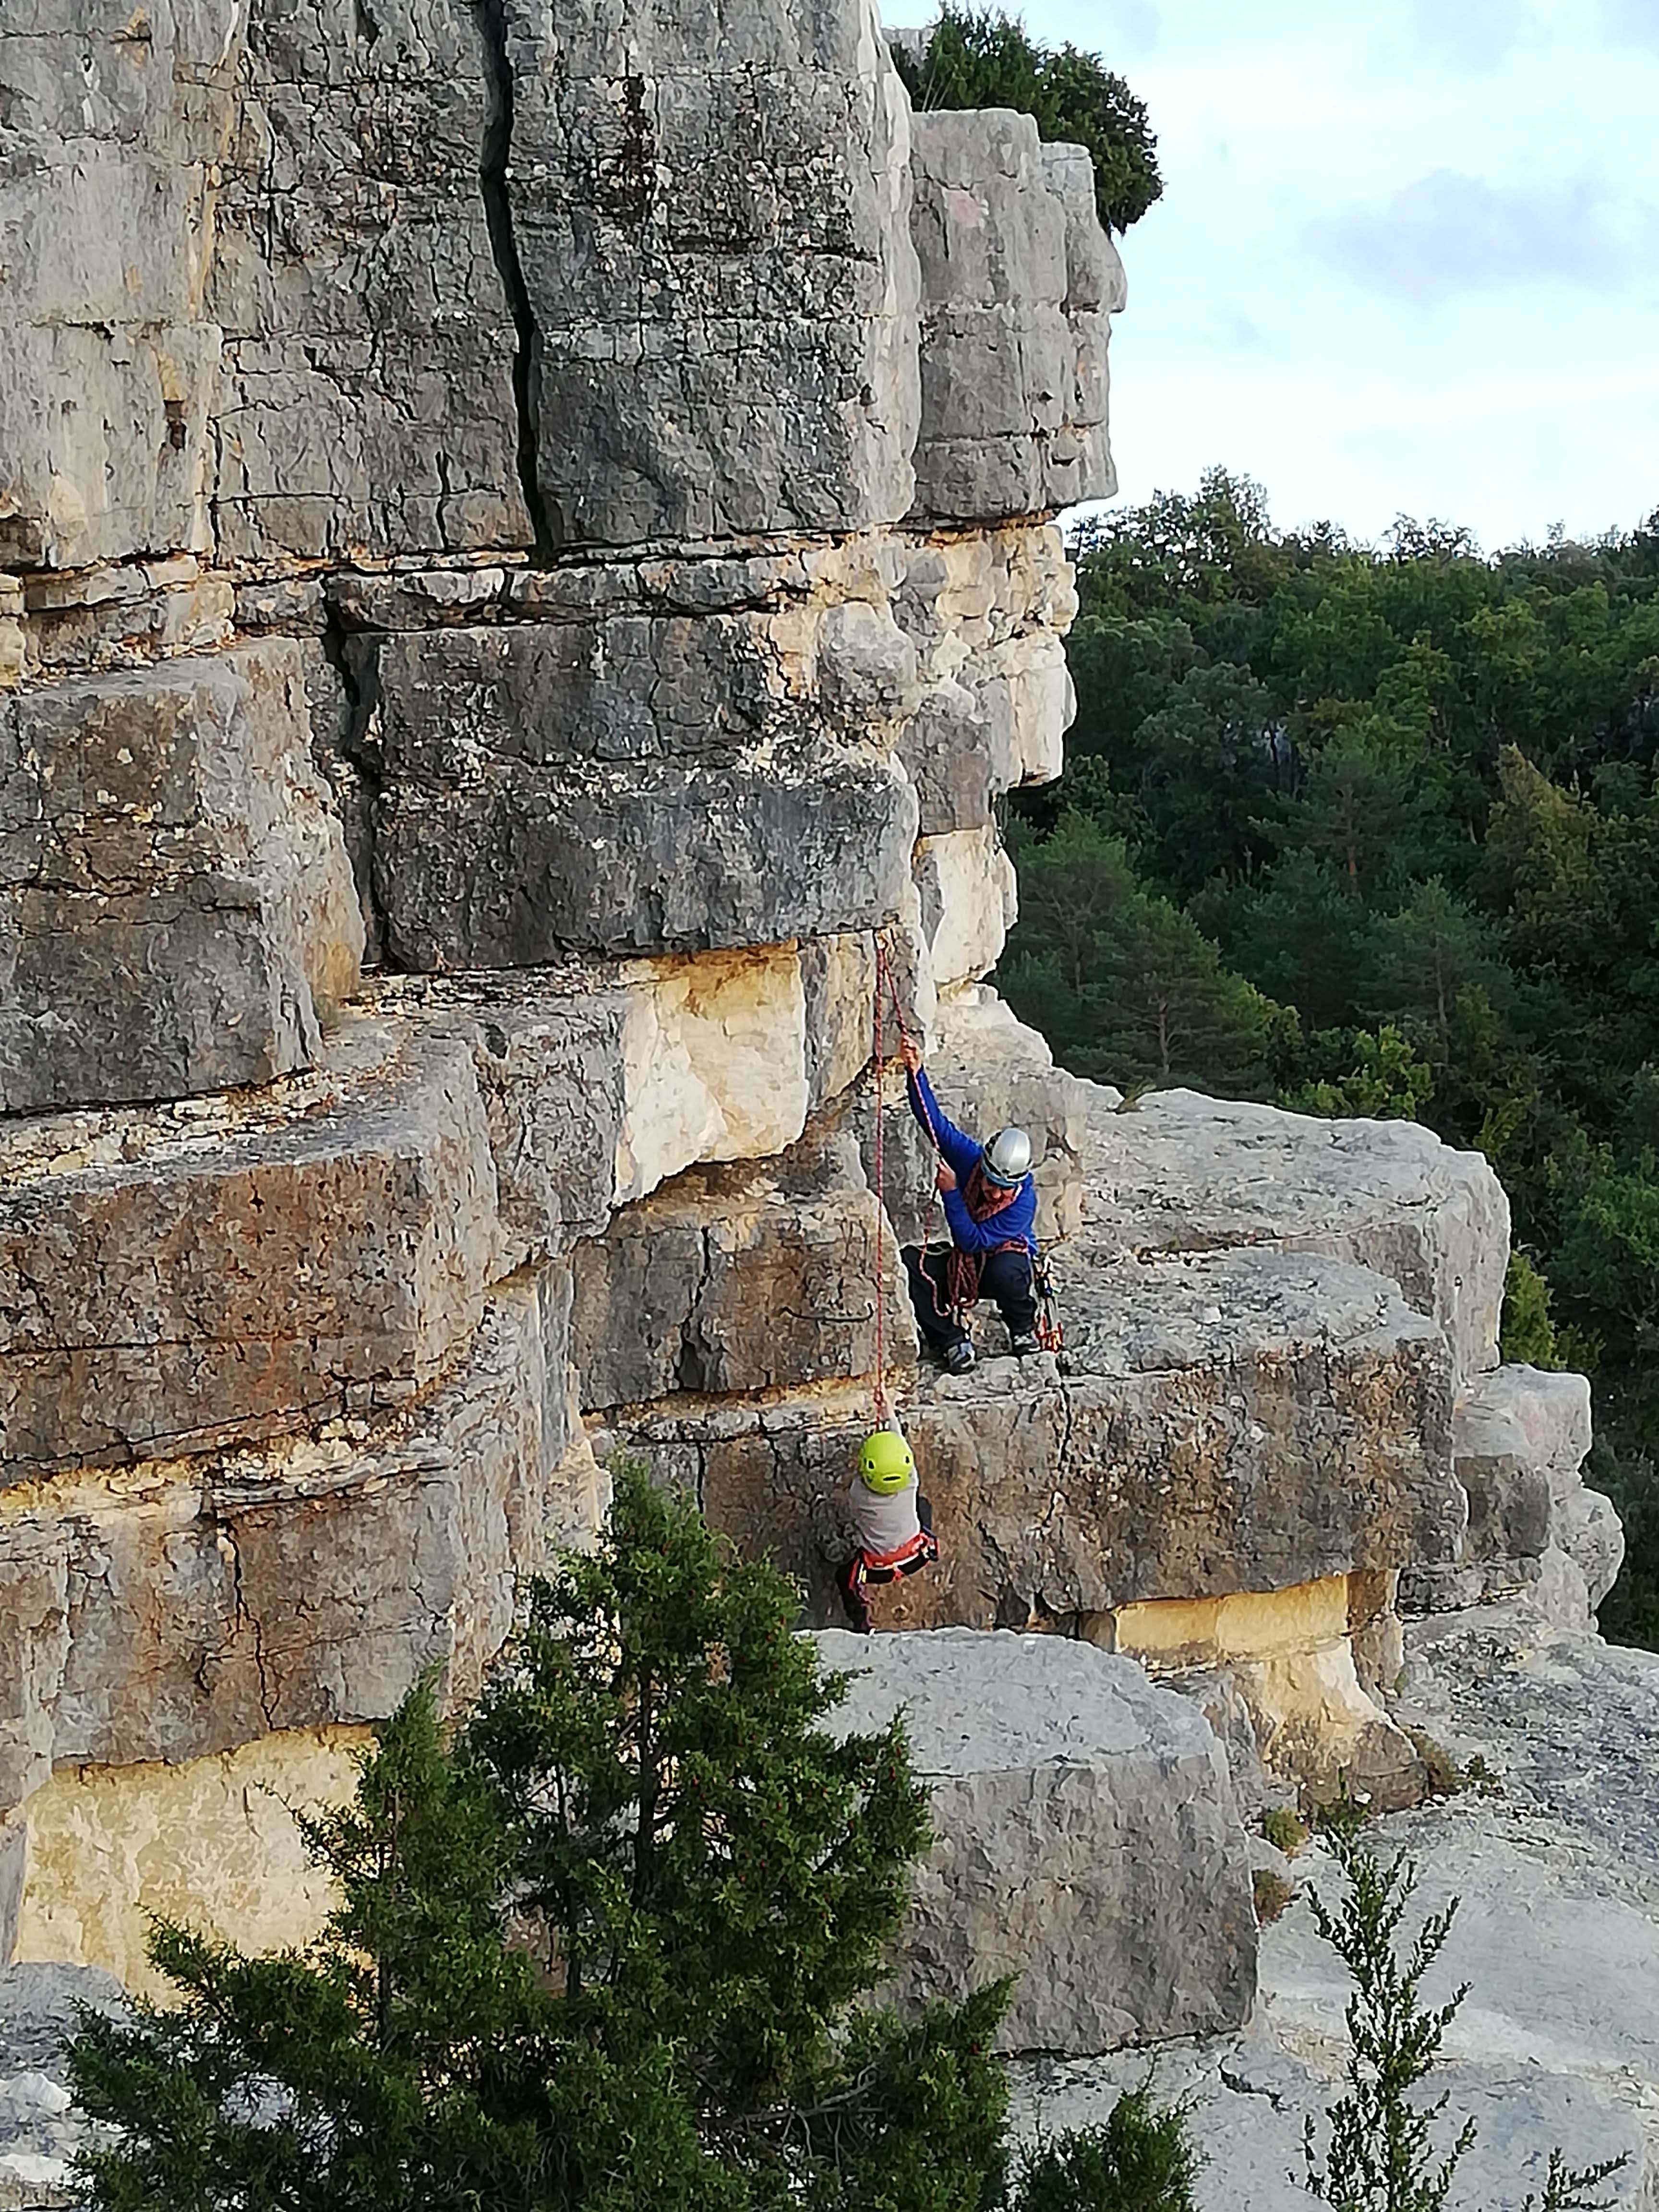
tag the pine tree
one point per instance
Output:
(600, 1951)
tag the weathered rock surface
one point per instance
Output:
(627, 788)
(178, 1296)
(735, 1280)
(985, 613)
(1086, 1837)
(175, 902)
(1520, 1440)
(1182, 1173)
(1017, 285)
(712, 229)
(39, 2129)
(366, 400)
(1240, 1421)
(106, 359)
(192, 1607)
(1557, 1932)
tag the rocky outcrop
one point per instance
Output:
(1552, 1860)
(526, 572)
(1086, 1841)
(1521, 1440)
(459, 516)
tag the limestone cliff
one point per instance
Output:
(528, 571)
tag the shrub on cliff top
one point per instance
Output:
(978, 57)
(601, 1949)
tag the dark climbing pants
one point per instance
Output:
(1004, 1276)
(858, 1570)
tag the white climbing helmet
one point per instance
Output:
(1007, 1158)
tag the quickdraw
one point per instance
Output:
(1049, 1334)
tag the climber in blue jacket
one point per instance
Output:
(990, 1204)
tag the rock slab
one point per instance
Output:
(1086, 1840)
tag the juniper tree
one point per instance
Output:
(1380, 2153)
(600, 1950)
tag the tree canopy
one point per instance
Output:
(980, 57)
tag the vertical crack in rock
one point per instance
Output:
(494, 162)
(359, 750)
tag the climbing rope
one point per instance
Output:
(881, 1196)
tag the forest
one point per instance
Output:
(1374, 830)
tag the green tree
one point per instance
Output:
(603, 1949)
(1125, 985)
(1406, 788)
(1527, 1334)
(980, 57)
(1385, 1081)
(1380, 2152)
(600, 1952)
(1141, 2159)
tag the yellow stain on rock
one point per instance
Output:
(211, 1843)
(1290, 1655)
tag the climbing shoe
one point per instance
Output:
(959, 1358)
(1024, 1344)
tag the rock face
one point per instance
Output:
(175, 902)
(1520, 1439)
(1085, 1838)
(526, 572)
(459, 516)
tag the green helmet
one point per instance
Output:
(886, 1463)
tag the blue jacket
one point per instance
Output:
(1013, 1224)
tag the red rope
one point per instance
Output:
(881, 1198)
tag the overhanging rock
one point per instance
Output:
(1086, 1839)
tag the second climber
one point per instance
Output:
(990, 1205)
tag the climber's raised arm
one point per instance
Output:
(956, 1148)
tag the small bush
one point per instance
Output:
(1384, 2146)
(1527, 1334)
(1273, 1894)
(978, 57)
(1141, 2159)
(1286, 1831)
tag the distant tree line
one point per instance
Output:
(1374, 829)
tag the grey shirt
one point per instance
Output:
(885, 1524)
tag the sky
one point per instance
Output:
(1407, 260)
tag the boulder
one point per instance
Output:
(176, 908)
(1085, 1840)
(1555, 1863)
